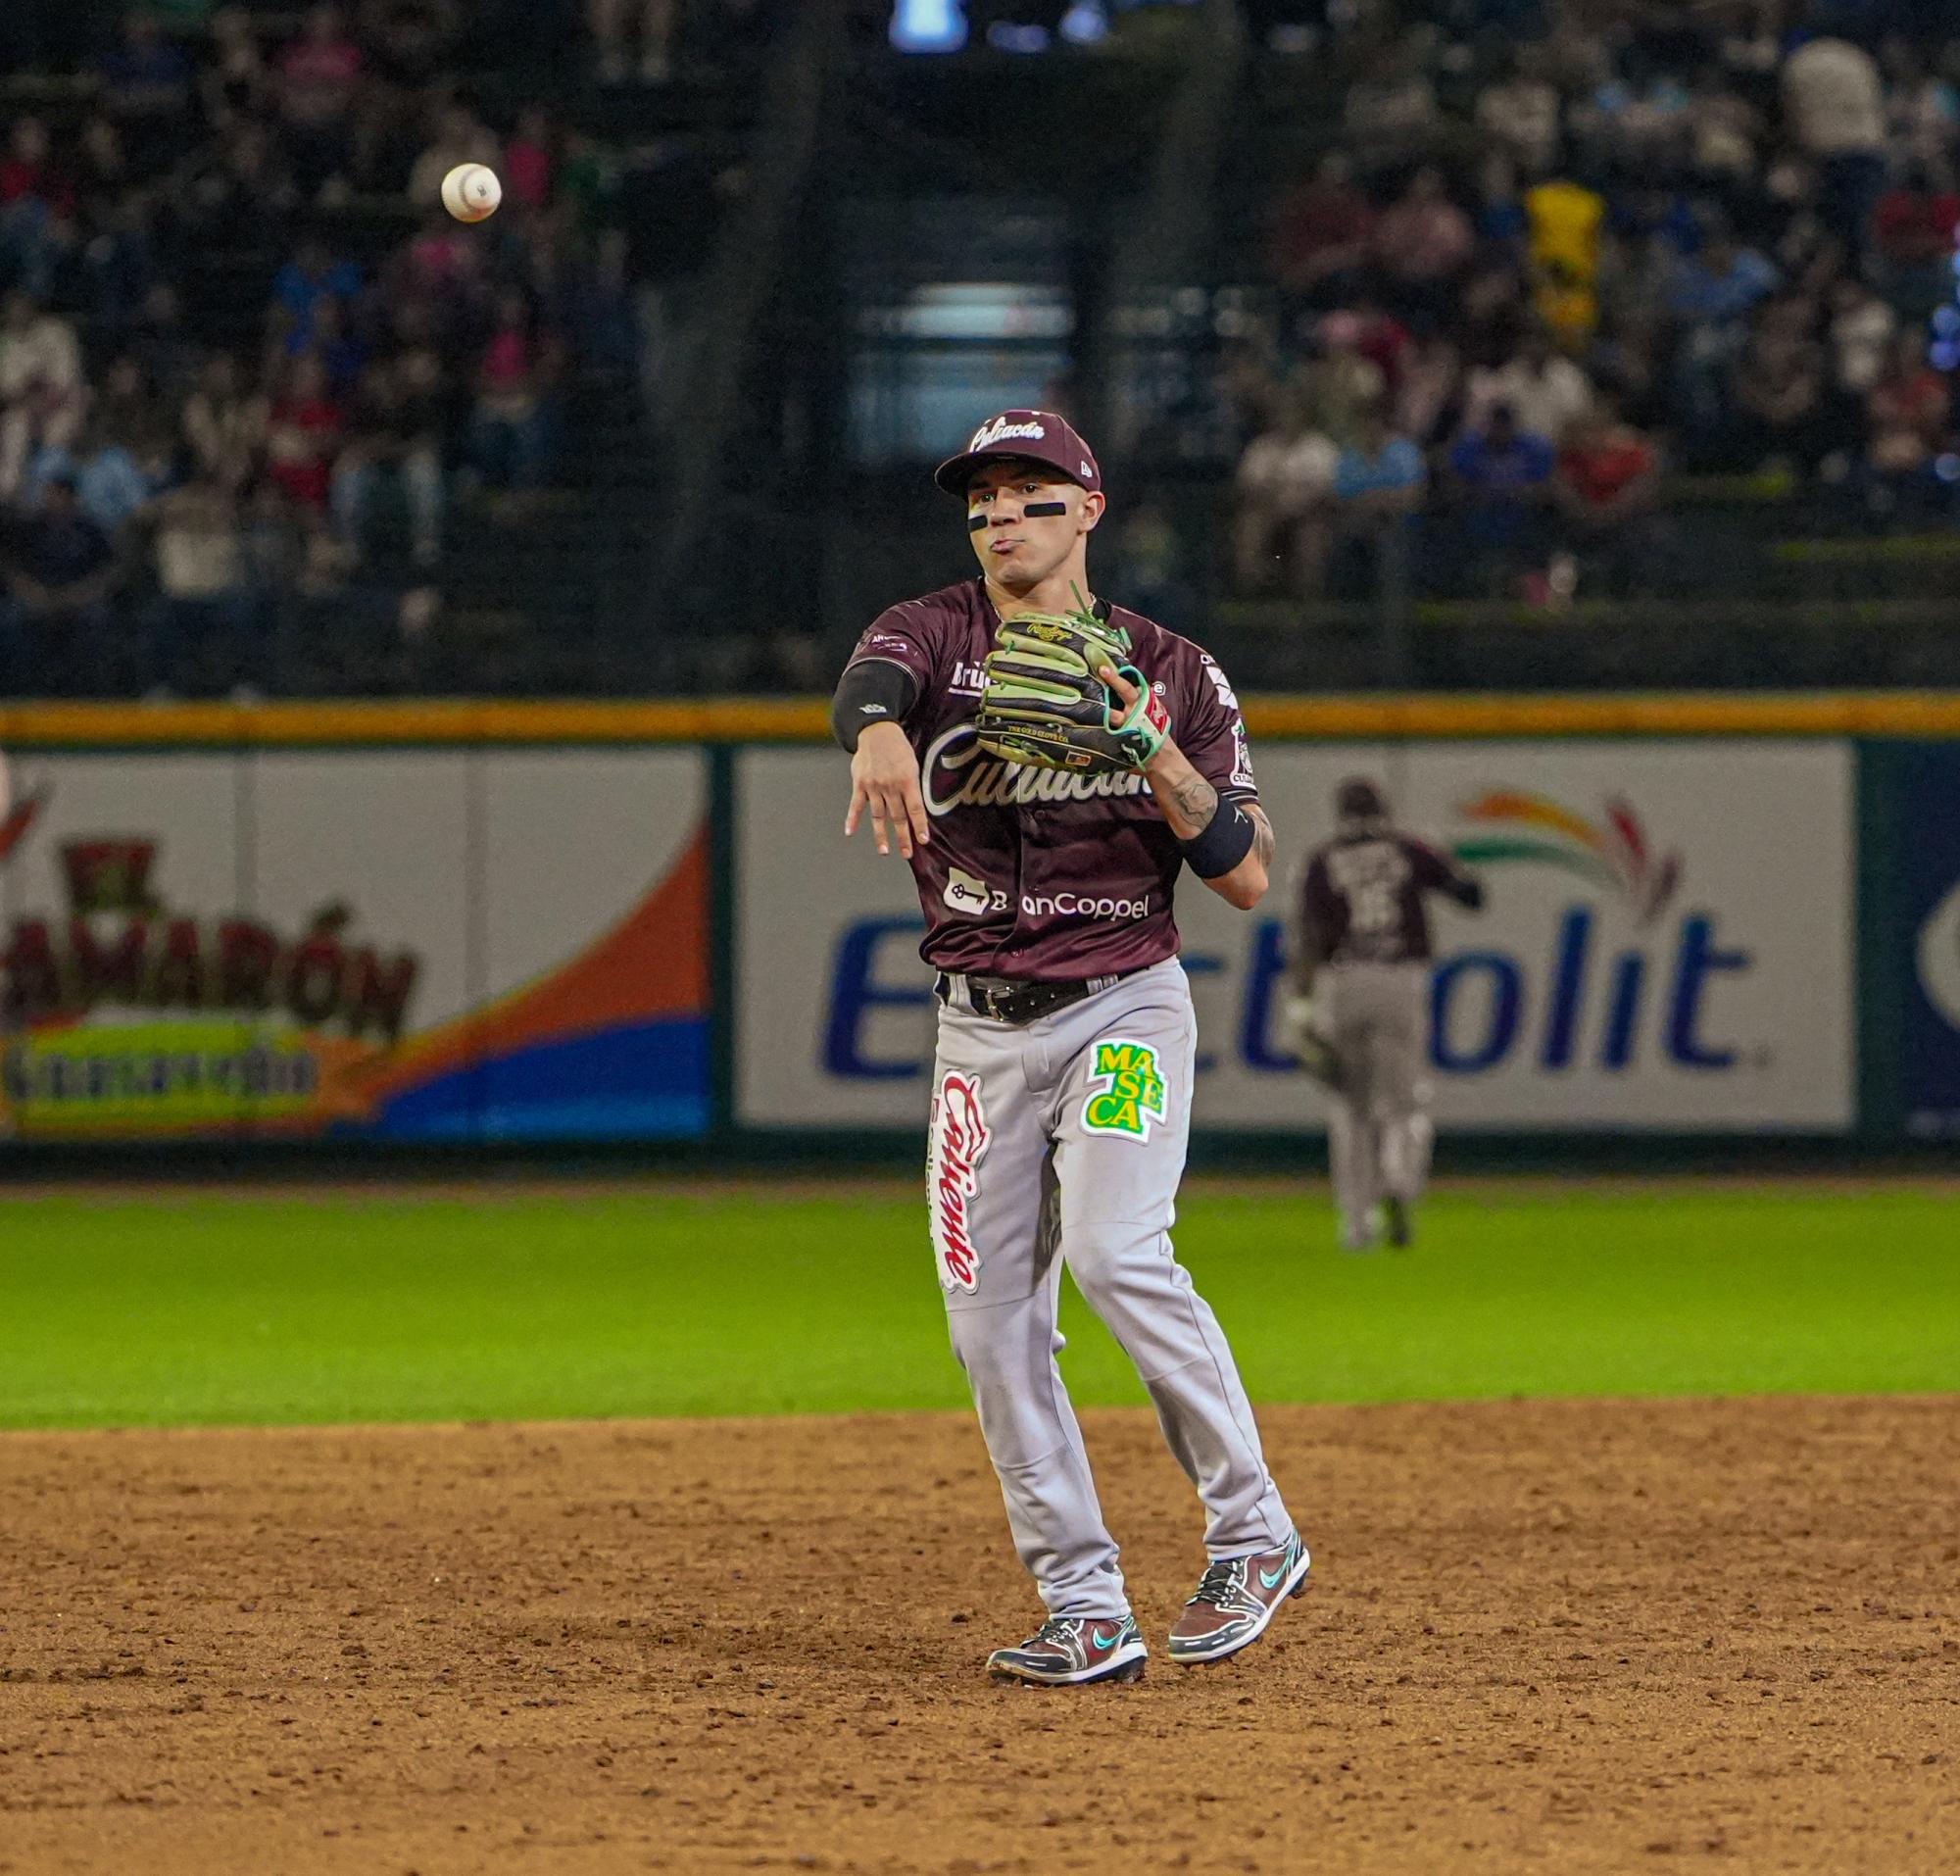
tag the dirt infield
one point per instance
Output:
(1576, 1637)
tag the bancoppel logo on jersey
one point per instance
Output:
(1002, 431)
(1068, 905)
(957, 772)
(973, 897)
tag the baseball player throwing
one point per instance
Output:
(1048, 762)
(1359, 1011)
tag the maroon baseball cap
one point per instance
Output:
(1039, 436)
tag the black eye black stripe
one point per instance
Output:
(1034, 511)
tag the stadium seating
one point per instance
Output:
(1246, 220)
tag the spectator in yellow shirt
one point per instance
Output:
(1566, 222)
(1566, 306)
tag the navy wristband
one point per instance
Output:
(1226, 840)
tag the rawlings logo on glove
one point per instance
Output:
(1044, 703)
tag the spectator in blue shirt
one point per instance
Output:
(54, 622)
(146, 89)
(145, 72)
(1720, 284)
(1380, 475)
(1501, 464)
(311, 278)
(1378, 486)
(1710, 296)
(110, 487)
(1503, 476)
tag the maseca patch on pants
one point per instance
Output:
(1131, 1097)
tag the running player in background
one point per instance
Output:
(1358, 1014)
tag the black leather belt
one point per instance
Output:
(1013, 1000)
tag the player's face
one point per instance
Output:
(1018, 545)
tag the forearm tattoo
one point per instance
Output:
(1263, 843)
(1196, 801)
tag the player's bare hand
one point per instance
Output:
(885, 780)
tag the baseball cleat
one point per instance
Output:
(1074, 1650)
(1237, 1597)
(1401, 1226)
(1359, 1233)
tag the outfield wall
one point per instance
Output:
(570, 923)
(435, 944)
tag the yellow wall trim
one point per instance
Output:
(1682, 714)
(804, 721)
(276, 726)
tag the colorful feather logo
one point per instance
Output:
(14, 830)
(1613, 852)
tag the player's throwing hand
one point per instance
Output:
(885, 778)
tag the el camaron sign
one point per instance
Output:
(124, 1009)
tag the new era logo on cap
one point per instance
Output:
(1041, 437)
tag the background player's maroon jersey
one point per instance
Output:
(1361, 901)
(1031, 872)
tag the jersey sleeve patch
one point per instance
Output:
(1242, 759)
(903, 636)
(1205, 716)
(1219, 681)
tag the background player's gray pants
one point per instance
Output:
(1063, 1141)
(1379, 1130)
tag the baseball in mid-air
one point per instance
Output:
(470, 193)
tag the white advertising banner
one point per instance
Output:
(1667, 941)
(413, 944)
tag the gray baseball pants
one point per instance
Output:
(1379, 1130)
(1062, 1141)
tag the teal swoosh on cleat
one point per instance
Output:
(1102, 1640)
(1272, 1579)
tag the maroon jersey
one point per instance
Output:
(1031, 872)
(1363, 899)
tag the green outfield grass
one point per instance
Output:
(198, 1309)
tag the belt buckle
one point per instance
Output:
(991, 998)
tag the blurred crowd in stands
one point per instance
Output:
(1548, 254)
(1529, 269)
(242, 349)
(1021, 26)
